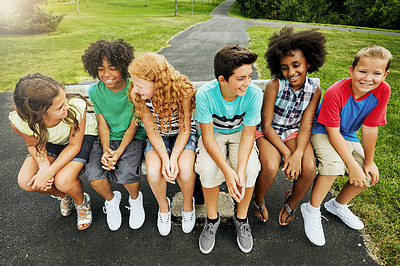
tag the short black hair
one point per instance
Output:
(118, 53)
(230, 57)
(310, 42)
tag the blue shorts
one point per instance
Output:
(53, 150)
(169, 143)
(128, 167)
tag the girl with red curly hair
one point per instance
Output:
(164, 101)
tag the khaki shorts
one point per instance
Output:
(210, 174)
(329, 161)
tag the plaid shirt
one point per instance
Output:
(290, 106)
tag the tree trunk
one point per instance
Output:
(77, 6)
(176, 7)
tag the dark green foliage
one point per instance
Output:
(27, 17)
(367, 13)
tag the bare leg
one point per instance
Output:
(186, 178)
(243, 205)
(348, 192)
(307, 176)
(67, 181)
(156, 181)
(270, 160)
(211, 201)
(133, 189)
(322, 185)
(28, 169)
(103, 187)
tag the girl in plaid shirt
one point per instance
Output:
(289, 105)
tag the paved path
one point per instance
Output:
(33, 232)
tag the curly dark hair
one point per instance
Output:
(230, 57)
(310, 42)
(118, 53)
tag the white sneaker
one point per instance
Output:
(164, 221)
(188, 220)
(313, 226)
(137, 215)
(345, 214)
(114, 217)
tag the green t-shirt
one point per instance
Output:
(115, 108)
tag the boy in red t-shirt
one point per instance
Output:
(359, 101)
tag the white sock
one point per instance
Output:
(313, 209)
(337, 204)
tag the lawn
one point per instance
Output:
(379, 206)
(58, 54)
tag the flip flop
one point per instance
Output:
(259, 212)
(286, 207)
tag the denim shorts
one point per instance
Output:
(169, 143)
(53, 150)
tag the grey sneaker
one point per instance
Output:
(313, 226)
(243, 237)
(207, 237)
(345, 214)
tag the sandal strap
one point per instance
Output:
(84, 212)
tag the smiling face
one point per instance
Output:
(111, 76)
(294, 68)
(58, 109)
(237, 84)
(143, 87)
(367, 75)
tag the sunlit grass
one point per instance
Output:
(58, 54)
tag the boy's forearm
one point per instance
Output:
(341, 147)
(245, 146)
(104, 132)
(128, 136)
(369, 137)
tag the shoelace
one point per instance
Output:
(318, 216)
(345, 211)
(161, 218)
(208, 227)
(244, 229)
(184, 218)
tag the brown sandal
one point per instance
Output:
(259, 212)
(286, 208)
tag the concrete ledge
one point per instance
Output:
(225, 206)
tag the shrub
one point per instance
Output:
(27, 17)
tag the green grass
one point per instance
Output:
(378, 206)
(58, 54)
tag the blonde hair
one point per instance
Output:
(374, 51)
(171, 88)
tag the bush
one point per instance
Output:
(369, 13)
(27, 17)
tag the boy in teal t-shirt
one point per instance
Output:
(228, 110)
(118, 153)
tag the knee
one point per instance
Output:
(23, 183)
(269, 168)
(309, 170)
(64, 183)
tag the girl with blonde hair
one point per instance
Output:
(164, 102)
